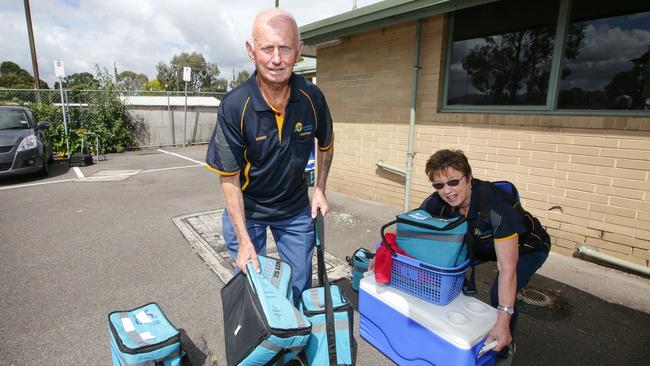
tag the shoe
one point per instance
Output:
(507, 351)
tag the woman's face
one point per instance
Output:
(453, 187)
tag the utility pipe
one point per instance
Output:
(613, 260)
(414, 97)
(390, 168)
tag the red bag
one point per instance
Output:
(384, 258)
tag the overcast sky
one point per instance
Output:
(137, 34)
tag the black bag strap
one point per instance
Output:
(319, 231)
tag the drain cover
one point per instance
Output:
(534, 297)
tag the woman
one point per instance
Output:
(497, 232)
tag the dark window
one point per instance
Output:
(606, 63)
(13, 119)
(501, 53)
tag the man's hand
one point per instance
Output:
(500, 332)
(245, 255)
(319, 201)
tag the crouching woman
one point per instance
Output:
(498, 230)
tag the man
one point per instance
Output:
(262, 141)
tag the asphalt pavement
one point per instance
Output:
(84, 242)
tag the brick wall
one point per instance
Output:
(585, 177)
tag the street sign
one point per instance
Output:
(58, 68)
(187, 74)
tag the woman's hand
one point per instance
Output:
(500, 332)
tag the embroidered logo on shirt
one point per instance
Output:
(260, 138)
(298, 127)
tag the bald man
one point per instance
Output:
(264, 135)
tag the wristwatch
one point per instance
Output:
(506, 309)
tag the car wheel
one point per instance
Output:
(45, 169)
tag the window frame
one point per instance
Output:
(552, 94)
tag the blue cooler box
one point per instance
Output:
(411, 331)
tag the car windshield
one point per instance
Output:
(12, 119)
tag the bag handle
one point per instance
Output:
(383, 237)
(319, 239)
(451, 225)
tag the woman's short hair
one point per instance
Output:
(443, 159)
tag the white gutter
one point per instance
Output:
(613, 260)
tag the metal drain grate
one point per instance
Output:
(533, 297)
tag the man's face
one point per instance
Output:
(275, 50)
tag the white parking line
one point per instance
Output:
(172, 168)
(77, 171)
(181, 156)
(81, 176)
(37, 184)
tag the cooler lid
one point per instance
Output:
(463, 322)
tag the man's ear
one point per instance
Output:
(250, 50)
(300, 47)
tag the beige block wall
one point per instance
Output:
(585, 177)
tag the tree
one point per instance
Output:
(152, 85)
(205, 75)
(512, 67)
(241, 78)
(130, 81)
(13, 76)
(79, 81)
(629, 89)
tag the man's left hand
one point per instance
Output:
(319, 201)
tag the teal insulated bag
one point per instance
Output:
(144, 337)
(312, 304)
(331, 315)
(359, 262)
(261, 324)
(432, 240)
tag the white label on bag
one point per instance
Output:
(147, 336)
(418, 216)
(128, 325)
(143, 318)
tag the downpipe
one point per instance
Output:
(589, 252)
(414, 97)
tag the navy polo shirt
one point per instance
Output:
(504, 221)
(269, 153)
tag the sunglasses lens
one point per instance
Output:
(451, 183)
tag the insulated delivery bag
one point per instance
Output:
(359, 262)
(432, 240)
(331, 315)
(261, 324)
(144, 337)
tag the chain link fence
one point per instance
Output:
(157, 119)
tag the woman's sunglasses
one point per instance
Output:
(451, 183)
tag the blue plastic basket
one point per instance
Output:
(436, 285)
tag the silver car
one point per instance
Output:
(24, 147)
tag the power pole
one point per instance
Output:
(32, 47)
(115, 71)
